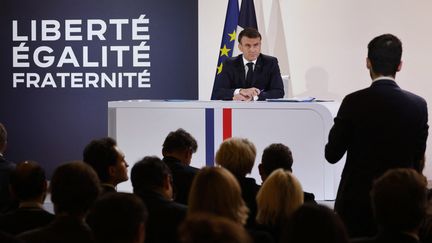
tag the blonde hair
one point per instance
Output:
(215, 190)
(280, 195)
(236, 155)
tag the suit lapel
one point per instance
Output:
(257, 70)
(241, 70)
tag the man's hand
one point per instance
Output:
(239, 97)
(250, 92)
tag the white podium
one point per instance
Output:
(140, 127)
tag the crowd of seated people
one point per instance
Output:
(219, 204)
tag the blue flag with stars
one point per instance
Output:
(229, 34)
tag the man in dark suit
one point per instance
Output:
(251, 76)
(380, 127)
(177, 150)
(279, 156)
(6, 167)
(151, 181)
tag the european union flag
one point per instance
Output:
(229, 33)
(247, 16)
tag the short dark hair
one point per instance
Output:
(384, 53)
(399, 199)
(116, 217)
(28, 180)
(249, 33)
(100, 154)
(179, 140)
(74, 188)
(276, 156)
(149, 174)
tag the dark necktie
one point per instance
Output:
(249, 75)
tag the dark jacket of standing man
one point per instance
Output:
(380, 127)
(234, 82)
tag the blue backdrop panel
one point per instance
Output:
(51, 120)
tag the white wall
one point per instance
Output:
(327, 44)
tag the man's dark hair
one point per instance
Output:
(149, 174)
(249, 33)
(116, 217)
(384, 53)
(179, 140)
(399, 199)
(100, 154)
(276, 156)
(74, 188)
(28, 180)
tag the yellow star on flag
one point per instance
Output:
(233, 36)
(219, 68)
(224, 51)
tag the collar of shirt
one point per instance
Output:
(384, 77)
(1, 155)
(245, 62)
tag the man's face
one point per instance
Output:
(121, 170)
(251, 47)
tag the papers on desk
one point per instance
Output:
(294, 99)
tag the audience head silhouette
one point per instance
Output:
(119, 218)
(280, 195)
(107, 160)
(152, 174)
(399, 200)
(28, 182)
(180, 145)
(236, 155)
(274, 157)
(74, 188)
(215, 190)
(207, 228)
(313, 223)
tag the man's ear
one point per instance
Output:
(167, 182)
(261, 172)
(399, 67)
(112, 171)
(368, 63)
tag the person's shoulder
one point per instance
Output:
(267, 58)
(35, 235)
(358, 94)
(192, 169)
(233, 60)
(309, 197)
(6, 164)
(414, 97)
(179, 206)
